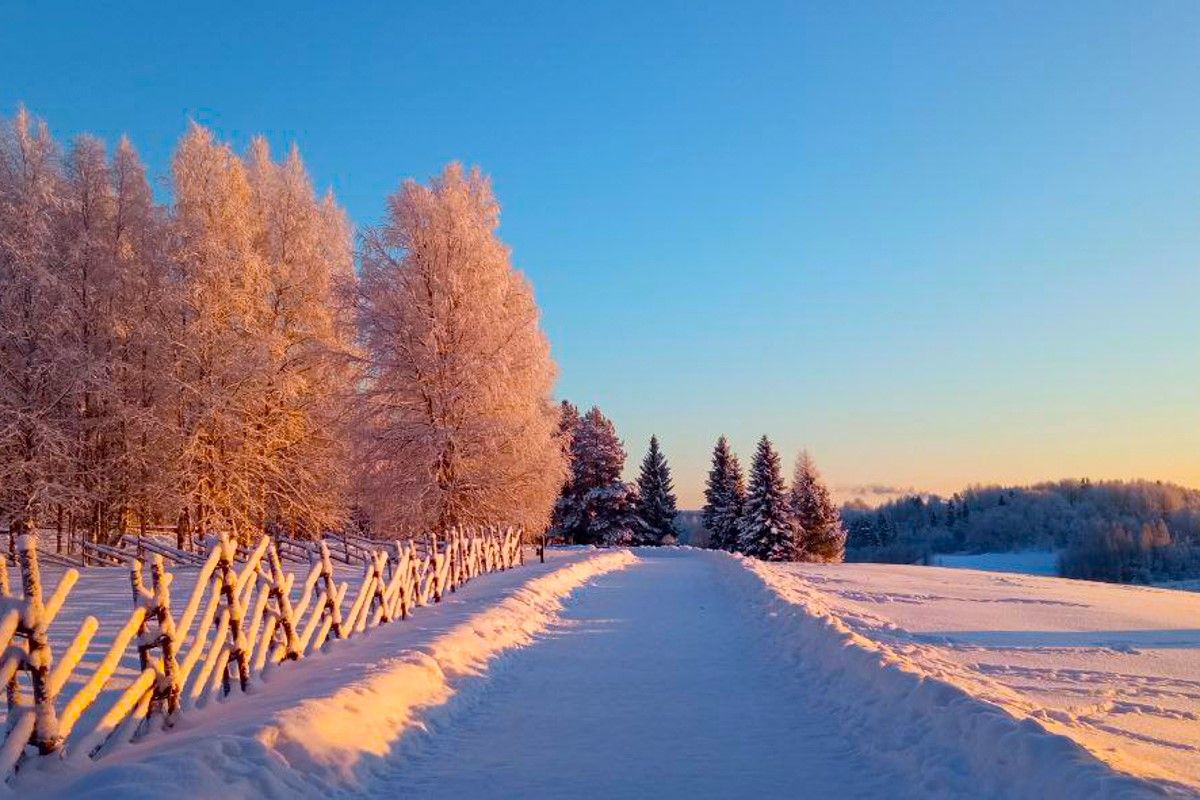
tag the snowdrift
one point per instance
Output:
(955, 743)
(320, 728)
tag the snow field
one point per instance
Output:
(920, 700)
(320, 727)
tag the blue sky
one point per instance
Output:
(935, 243)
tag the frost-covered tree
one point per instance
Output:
(656, 499)
(724, 497)
(87, 268)
(459, 424)
(121, 306)
(305, 244)
(37, 374)
(261, 340)
(822, 536)
(768, 529)
(223, 359)
(597, 507)
(145, 314)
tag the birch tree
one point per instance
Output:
(36, 383)
(145, 315)
(222, 357)
(460, 426)
(305, 245)
(87, 268)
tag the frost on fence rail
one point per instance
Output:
(244, 617)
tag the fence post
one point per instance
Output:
(331, 605)
(45, 728)
(283, 602)
(13, 689)
(166, 636)
(237, 651)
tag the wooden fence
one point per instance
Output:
(244, 617)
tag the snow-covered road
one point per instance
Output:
(656, 684)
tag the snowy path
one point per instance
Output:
(656, 685)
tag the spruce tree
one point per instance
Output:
(569, 421)
(724, 496)
(597, 507)
(822, 536)
(768, 529)
(656, 499)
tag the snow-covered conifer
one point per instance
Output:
(768, 529)
(598, 507)
(656, 498)
(724, 497)
(569, 421)
(822, 536)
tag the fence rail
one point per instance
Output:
(244, 617)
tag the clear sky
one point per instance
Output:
(935, 243)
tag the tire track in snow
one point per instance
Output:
(657, 683)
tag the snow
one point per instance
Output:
(318, 726)
(1027, 562)
(656, 683)
(686, 673)
(1112, 669)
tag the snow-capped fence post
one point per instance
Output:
(39, 659)
(331, 607)
(435, 561)
(285, 619)
(400, 579)
(168, 687)
(12, 688)
(190, 667)
(382, 612)
(229, 591)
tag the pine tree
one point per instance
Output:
(822, 536)
(459, 424)
(768, 529)
(724, 496)
(656, 499)
(597, 507)
(569, 421)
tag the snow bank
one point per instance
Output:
(902, 708)
(315, 729)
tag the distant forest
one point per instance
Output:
(1128, 532)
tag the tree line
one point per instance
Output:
(767, 519)
(1135, 531)
(595, 505)
(218, 362)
